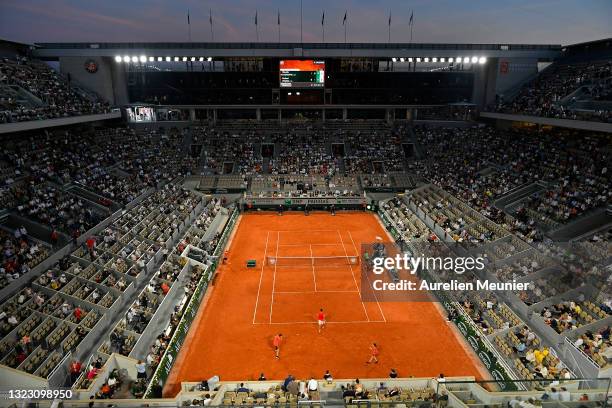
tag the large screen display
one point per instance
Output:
(302, 73)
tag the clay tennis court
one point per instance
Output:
(233, 331)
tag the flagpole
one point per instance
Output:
(256, 28)
(278, 23)
(212, 33)
(411, 22)
(389, 27)
(188, 26)
(323, 24)
(344, 23)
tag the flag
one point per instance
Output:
(278, 18)
(411, 18)
(188, 22)
(323, 18)
(210, 17)
(344, 19)
(389, 18)
(255, 17)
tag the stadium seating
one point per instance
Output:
(556, 91)
(31, 90)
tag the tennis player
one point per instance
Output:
(321, 320)
(278, 339)
(373, 354)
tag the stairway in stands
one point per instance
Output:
(187, 140)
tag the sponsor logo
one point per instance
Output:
(486, 359)
(473, 342)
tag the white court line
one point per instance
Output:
(306, 243)
(368, 278)
(328, 322)
(304, 231)
(274, 276)
(353, 275)
(261, 276)
(318, 291)
(314, 275)
(295, 267)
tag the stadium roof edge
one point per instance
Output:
(18, 43)
(593, 42)
(295, 50)
(284, 45)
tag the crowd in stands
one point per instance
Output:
(480, 164)
(570, 315)
(361, 152)
(128, 331)
(553, 92)
(115, 163)
(567, 267)
(597, 345)
(54, 313)
(32, 90)
(532, 359)
(20, 253)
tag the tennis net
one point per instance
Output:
(312, 260)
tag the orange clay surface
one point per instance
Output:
(233, 331)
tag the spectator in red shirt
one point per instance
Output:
(75, 370)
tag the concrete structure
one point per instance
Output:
(507, 67)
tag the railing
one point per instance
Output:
(586, 356)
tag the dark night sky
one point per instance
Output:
(467, 21)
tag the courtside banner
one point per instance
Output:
(422, 271)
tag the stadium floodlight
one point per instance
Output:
(201, 59)
(289, 93)
(118, 58)
(450, 59)
(192, 59)
(159, 59)
(410, 59)
(434, 59)
(126, 58)
(176, 59)
(209, 59)
(474, 60)
(402, 59)
(134, 59)
(151, 59)
(426, 59)
(143, 58)
(418, 59)
(184, 59)
(442, 59)
(458, 59)
(394, 59)
(297, 93)
(168, 59)
(482, 60)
